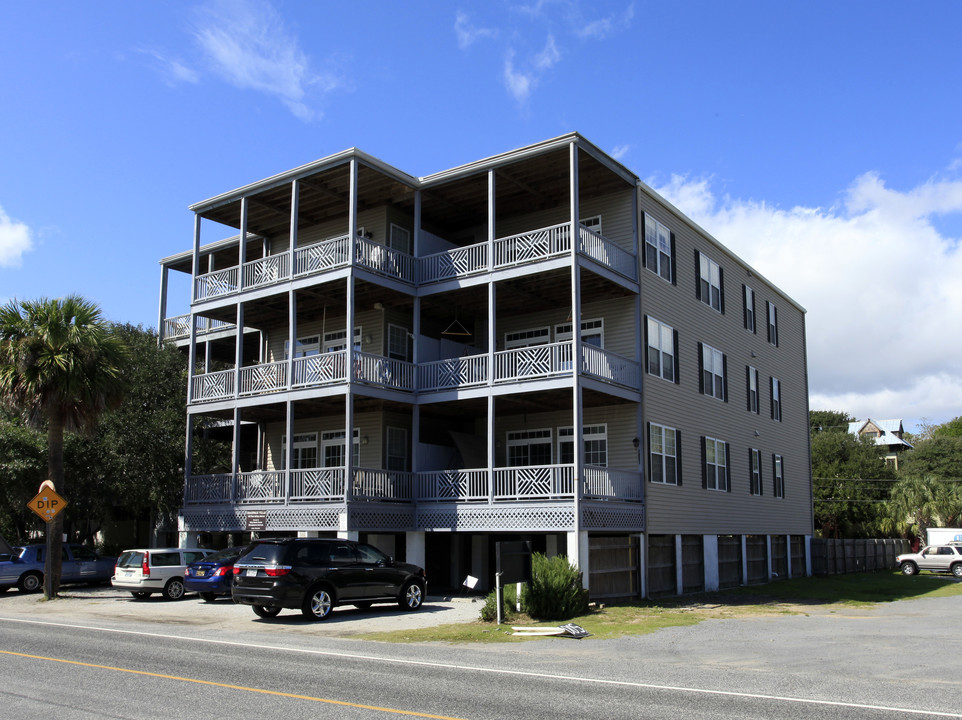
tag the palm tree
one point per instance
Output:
(60, 367)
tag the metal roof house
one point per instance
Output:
(887, 434)
(531, 346)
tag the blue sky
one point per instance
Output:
(821, 141)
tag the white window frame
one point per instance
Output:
(335, 438)
(709, 277)
(397, 437)
(593, 223)
(399, 238)
(334, 341)
(772, 324)
(304, 346)
(663, 453)
(716, 472)
(658, 238)
(778, 475)
(749, 301)
(597, 433)
(776, 399)
(397, 333)
(527, 337)
(713, 371)
(659, 335)
(753, 396)
(590, 329)
(755, 471)
(302, 441)
(527, 438)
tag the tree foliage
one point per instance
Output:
(920, 502)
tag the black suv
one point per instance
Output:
(316, 574)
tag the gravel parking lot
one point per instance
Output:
(78, 603)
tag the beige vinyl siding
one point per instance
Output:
(690, 508)
(369, 322)
(368, 425)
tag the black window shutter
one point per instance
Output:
(704, 465)
(761, 475)
(754, 316)
(751, 471)
(701, 370)
(728, 467)
(643, 243)
(678, 456)
(748, 386)
(771, 394)
(697, 275)
(674, 265)
(647, 448)
(725, 376)
(758, 392)
(745, 302)
(675, 357)
(775, 312)
(721, 288)
(783, 477)
(768, 323)
(774, 475)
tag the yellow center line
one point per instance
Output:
(231, 687)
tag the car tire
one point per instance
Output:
(30, 582)
(318, 603)
(957, 570)
(264, 611)
(174, 589)
(208, 597)
(139, 594)
(909, 568)
(412, 595)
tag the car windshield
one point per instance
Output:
(130, 558)
(263, 554)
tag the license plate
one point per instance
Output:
(128, 573)
(251, 572)
(200, 573)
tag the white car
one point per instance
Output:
(935, 558)
(143, 571)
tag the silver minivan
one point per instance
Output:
(144, 571)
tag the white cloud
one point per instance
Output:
(174, 71)
(880, 283)
(520, 83)
(250, 47)
(619, 151)
(602, 28)
(15, 240)
(467, 33)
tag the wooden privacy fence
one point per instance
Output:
(836, 557)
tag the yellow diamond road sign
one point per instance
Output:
(47, 504)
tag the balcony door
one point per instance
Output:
(305, 452)
(529, 447)
(332, 449)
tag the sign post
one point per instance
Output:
(47, 504)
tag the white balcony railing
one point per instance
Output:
(323, 369)
(179, 326)
(384, 260)
(267, 270)
(610, 367)
(532, 246)
(455, 263)
(326, 485)
(215, 284)
(386, 372)
(265, 378)
(453, 373)
(212, 386)
(533, 362)
(606, 253)
(320, 257)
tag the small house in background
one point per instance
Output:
(887, 434)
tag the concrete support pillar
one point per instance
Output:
(711, 563)
(578, 553)
(744, 544)
(768, 553)
(642, 565)
(679, 567)
(551, 546)
(416, 548)
(788, 555)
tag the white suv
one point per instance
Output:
(935, 558)
(148, 570)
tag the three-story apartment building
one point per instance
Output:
(395, 359)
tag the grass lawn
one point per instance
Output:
(637, 618)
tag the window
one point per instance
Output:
(303, 347)
(397, 342)
(396, 451)
(664, 451)
(593, 223)
(595, 438)
(399, 239)
(712, 364)
(772, 323)
(337, 340)
(526, 338)
(715, 465)
(749, 298)
(709, 288)
(305, 451)
(662, 342)
(332, 448)
(776, 387)
(778, 479)
(529, 447)
(755, 468)
(752, 382)
(592, 332)
(659, 249)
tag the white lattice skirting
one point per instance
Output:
(497, 518)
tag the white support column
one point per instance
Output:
(417, 224)
(577, 410)
(492, 448)
(788, 556)
(679, 567)
(162, 304)
(295, 209)
(415, 548)
(642, 565)
(242, 245)
(188, 454)
(235, 452)
(238, 348)
(291, 335)
(491, 219)
(195, 261)
(352, 223)
(577, 547)
(289, 451)
(192, 357)
(711, 563)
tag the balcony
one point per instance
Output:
(510, 366)
(327, 485)
(178, 328)
(512, 251)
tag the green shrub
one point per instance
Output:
(509, 596)
(555, 591)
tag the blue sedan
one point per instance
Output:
(212, 576)
(24, 568)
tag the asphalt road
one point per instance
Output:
(71, 659)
